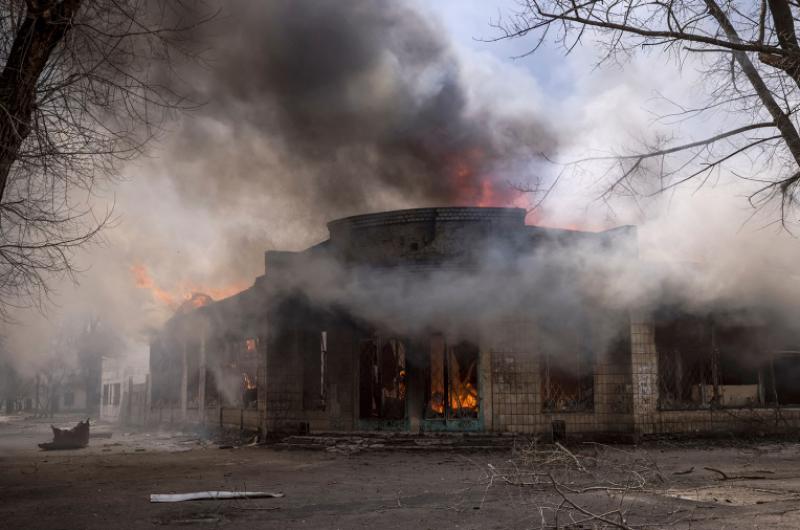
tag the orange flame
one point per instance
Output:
(195, 300)
(462, 399)
(144, 281)
(186, 296)
(248, 382)
(473, 185)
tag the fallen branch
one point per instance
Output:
(586, 512)
(725, 476)
(575, 458)
(715, 470)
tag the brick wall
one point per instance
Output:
(516, 379)
(644, 371)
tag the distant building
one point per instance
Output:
(123, 390)
(71, 395)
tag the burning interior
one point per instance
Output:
(346, 336)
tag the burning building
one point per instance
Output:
(466, 319)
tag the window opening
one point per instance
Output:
(452, 375)
(382, 379)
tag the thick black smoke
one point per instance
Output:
(352, 105)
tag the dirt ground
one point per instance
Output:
(730, 484)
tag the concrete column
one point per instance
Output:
(644, 372)
(485, 385)
(184, 382)
(129, 403)
(417, 351)
(262, 378)
(147, 400)
(201, 375)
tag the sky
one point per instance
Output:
(240, 175)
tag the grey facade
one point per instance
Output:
(278, 358)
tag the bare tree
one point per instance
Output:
(750, 57)
(85, 84)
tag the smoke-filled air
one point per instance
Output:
(304, 112)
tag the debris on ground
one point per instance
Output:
(101, 435)
(232, 439)
(369, 441)
(214, 495)
(74, 438)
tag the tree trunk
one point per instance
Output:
(45, 25)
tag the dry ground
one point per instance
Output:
(749, 485)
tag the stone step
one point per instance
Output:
(395, 442)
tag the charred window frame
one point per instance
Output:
(568, 382)
(106, 397)
(685, 363)
(382, 379)
(451, 391)
(784, 375)
(568, 366)
(231, 375)
(703, 363)
(116, 393)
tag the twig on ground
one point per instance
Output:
(586, 512)
(725, 476)
(575, 458)
(715, 470)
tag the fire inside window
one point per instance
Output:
(452, 391)
(250, 345)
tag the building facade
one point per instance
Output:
(467, 320)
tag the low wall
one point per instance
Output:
(723, 420)
(246, 419)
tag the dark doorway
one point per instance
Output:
(786, 370)
(382, 379)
